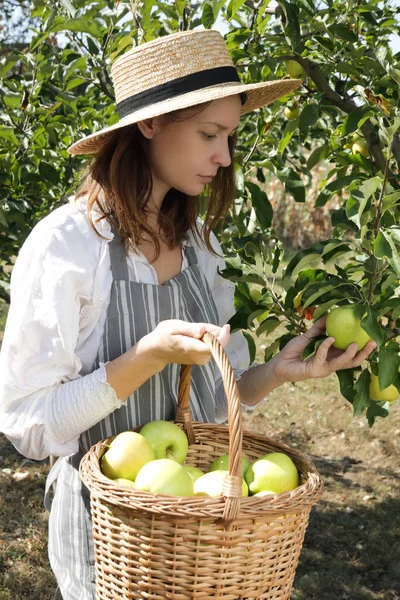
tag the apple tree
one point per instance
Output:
(345, 115)
(55, 87)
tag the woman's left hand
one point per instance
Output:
(289, 365)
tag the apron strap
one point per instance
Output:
(191, 255)
(119, 267)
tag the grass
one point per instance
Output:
(352, 545)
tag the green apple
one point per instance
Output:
(265, 493)
(210, 485)
(273, 472)
(345, 327)
(291, 114)
(360, 146)
(126, 455)
(164, 476)
(389, 394)
(167, 440)
(294, 69)
(125, 482)
(194, 472)
(222, 464)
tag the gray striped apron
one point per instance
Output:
(135, 309)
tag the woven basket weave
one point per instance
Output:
(166, 547)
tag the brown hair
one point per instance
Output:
(119, 181)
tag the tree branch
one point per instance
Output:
(346, 105)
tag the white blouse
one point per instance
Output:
(60, 292)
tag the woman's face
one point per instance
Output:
(187, 154)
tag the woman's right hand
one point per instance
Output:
(176, 341)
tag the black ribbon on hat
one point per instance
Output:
(177, 87)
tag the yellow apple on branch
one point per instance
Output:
(388, 394)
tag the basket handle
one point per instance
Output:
(232, 486)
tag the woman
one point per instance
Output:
(111, 292)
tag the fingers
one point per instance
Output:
(317, 328)
(322, 351)
(221, 333)
(360, 356)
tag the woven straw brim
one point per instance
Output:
(258, 95)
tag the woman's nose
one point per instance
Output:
(223, 156)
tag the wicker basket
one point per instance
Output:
(167, 547)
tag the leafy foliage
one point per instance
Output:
(56, 88)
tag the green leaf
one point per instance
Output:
(73, 83)
(180, 6)
(292, 16)
(233, 7)
(376, 409)
(309, 116)
(252, 345)
(7, 63)
(68, 7)
(389, 365)
(393, 129)
(370, 324)
(268, 326)
(352, 121)
(312, 346)
(317, 155)
(271, 350)
(361, 398)
(390, 199)
(211, 9)
(344, 33)
(364, 192)
(3, 220)
(394, 259)
(261, 205)
(125, 42)
(7, 133)
(80, 25)
(341, 182)
(309, 257)
(322, 309)
(293, 184)
(382, 247)
(48, 172)
(394, 74)
(291, 127)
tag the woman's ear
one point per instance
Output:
(149, 128)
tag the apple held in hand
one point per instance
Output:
(210, 485)
(389, 394)
(127, 454)
(164, 476)
(274, 472)
(222, 464)
(194, 472)
(167, 440)
(345, 327)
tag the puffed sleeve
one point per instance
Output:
(44, 402)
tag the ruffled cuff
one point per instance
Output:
(77, 406)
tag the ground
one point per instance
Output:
(352, 545)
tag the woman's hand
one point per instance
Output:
(175, 341)
(290, 367)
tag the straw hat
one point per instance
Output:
(177, 71)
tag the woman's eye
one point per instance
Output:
(208, 136)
